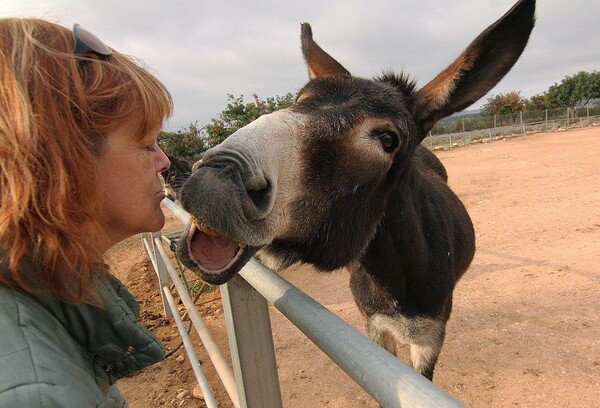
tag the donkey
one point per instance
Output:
(340, 179)
(175, 176)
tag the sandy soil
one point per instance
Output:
(525, 329)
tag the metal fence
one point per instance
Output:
(468, 130)
(253, 381)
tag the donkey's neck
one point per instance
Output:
(398, 248)
(425, 233)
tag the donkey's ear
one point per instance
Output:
(319, 63)
(479, 68)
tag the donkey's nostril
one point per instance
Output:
(261, 197)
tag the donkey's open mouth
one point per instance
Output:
(212, 252)
(216, 257)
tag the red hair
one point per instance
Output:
(55, 111)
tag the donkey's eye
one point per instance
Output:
(389, 141)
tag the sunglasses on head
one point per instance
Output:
(86, 42)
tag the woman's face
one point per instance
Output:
(130, 188)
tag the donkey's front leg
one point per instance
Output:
(426, 347)
(381, 336)
(424, 334)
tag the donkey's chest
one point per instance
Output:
(399, 294)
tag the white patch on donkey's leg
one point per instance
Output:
(425, 336)
(381, 336)
(425, 356)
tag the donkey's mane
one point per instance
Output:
(401, 81)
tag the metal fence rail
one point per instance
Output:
(189, 348)
(381, 375)
(162, 266)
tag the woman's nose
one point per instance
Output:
(163, 161)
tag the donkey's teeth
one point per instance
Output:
(204, 228)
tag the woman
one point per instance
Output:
(79, 169)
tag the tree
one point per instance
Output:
(509, 104)
(574, 91)
(536, 103)
(238, 114)
(187, 143)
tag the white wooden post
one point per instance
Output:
(251, 344)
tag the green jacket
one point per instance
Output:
(59, 354)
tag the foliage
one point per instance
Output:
(187, 143)
(238, 114)
(574, 91)
(195, 287)
(191, 142)
(536, 103)
(509, 104)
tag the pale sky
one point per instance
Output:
(204, 50)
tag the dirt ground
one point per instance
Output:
(525, 329)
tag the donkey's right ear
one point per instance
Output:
(478, 69)
(319, 63)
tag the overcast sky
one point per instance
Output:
(204, 50)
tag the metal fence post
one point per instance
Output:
(251, 344)
(522, 124)
(148, 240)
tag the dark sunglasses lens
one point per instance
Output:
(87, 42)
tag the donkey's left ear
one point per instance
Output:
(319, 63)
(478, 69)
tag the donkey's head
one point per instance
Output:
(310, 183)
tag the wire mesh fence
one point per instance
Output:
(477, 129)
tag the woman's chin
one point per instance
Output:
(156, 223)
